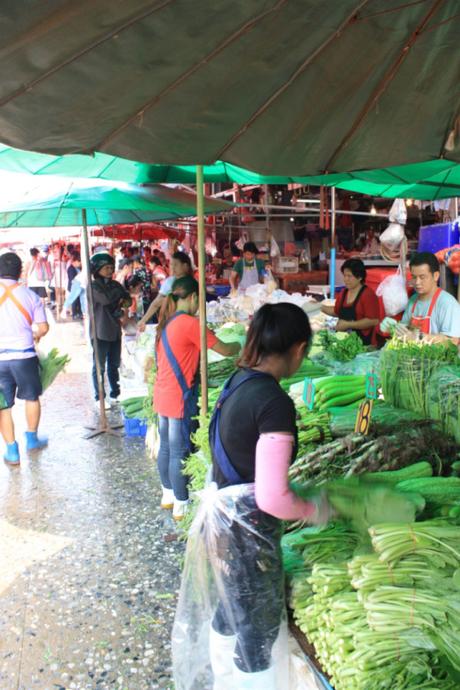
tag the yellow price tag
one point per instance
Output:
(363, 418)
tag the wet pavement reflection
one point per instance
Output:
(88, 583)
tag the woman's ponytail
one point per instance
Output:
(274, 329)
(181, 289)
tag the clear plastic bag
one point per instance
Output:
(233, 583)
(393, 292)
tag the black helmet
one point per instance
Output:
(100, 260)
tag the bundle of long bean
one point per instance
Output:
(406, 369)
(219, 372)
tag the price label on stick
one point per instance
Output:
(309, 393)
(372, 386)
(363, 418)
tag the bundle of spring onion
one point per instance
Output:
(51, 365)
(338, 391)
(383, 620)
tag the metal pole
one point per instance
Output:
(202, 284)
(90, 302)
(332, 253)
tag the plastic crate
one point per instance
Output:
(218, 290)
(287, 264)
(433, 238)
(135, 426)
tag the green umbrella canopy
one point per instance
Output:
(436, 179)
(285, 87)
(430, 180)
(107, 167)
(61, 203)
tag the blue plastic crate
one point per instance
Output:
(433, 238)
(135, 426)
(218, 290)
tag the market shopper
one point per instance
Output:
(249, 270)
(180, 266)
(357, 306)
(432, 312)
(175, 397)
(23, 324)
(110, 298)
(37, 274)
(253, 439)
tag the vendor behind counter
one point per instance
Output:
(357, 306)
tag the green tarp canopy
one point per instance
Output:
(438, 179)
(284, 87)
(61, 204)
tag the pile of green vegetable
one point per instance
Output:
(382, 612)
(134, 408)
(443, 399)
(341, 347)
(313, 429)
(308, 370)
(385, 418)
(220, 371)
(338, 391)
(51, 365)
(356, 454)
(407, 368)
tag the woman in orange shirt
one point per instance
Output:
(175, 395)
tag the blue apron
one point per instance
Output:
(219, 453)
(189, 393)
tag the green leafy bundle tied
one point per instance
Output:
(51, 365)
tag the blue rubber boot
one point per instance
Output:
(33, 442)
(11, 456)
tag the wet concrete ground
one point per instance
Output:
(88, 583)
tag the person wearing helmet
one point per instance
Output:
(110, 298)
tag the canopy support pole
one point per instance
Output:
(333, 240)
(202, 284)
(104, 427)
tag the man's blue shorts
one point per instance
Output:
(20, 378)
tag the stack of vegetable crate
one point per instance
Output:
(134, 415)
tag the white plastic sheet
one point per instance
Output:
(232, 580)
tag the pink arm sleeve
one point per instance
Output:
(273, 495)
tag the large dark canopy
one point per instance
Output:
(285, 87)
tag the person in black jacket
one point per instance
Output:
(110, 298)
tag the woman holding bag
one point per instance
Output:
(175, 395)
(232, 593)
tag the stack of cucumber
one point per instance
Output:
(338, 391)
(134, 408)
